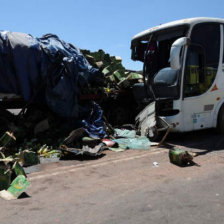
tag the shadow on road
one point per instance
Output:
(204, 141)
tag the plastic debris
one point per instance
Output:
(109, 143)
(43, 150)
(125, 133)
(7, 138)
(18, 169)
(141, 143)
(48, 152)
(180, 157)
(155, 164)
(16, 188)
(94, 124)
(28, 158)
(13, 180)
(116, 149)
(85, 150)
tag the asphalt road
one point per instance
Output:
(126, 188)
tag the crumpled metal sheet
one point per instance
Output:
(85, 150)
(146, 119)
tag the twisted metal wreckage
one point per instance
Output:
(59, 92)
(48, 71)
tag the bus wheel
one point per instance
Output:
(220, 121)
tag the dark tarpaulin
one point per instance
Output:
(46, 70)
(93, 124)
(48, 65)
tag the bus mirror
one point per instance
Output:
(175, 52)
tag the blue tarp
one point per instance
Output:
(49, 71)
(93, 124)
(44, 69)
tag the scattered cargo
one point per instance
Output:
(180, 157)
(16, 188)
(71, 101)
(79, 93)
(13, 180)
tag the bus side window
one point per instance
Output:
(202, 59)
(194, 71)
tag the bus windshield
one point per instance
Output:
(154, 49)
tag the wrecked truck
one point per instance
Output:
(51, 79)
(44, 70)
(183, 75)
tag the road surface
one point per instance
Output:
(127, 188)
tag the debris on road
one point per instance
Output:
(116, 149)
(124, 133)
(141, 143)
(70, 102)
(7, 138)
(117, 77)
(85, 150)
(13, 180)
(155, 164)
(5, 176)
(180, 157)
(28, 158)
(17, 187)
(109, 143)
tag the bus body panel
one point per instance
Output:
(198, 111)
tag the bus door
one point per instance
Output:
(201, 67)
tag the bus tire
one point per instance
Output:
(220, 121)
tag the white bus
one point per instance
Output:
(184, 72)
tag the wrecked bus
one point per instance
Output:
(183, 74)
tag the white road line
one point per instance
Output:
(98, 161)
(78, 167)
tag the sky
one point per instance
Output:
(100, 24)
